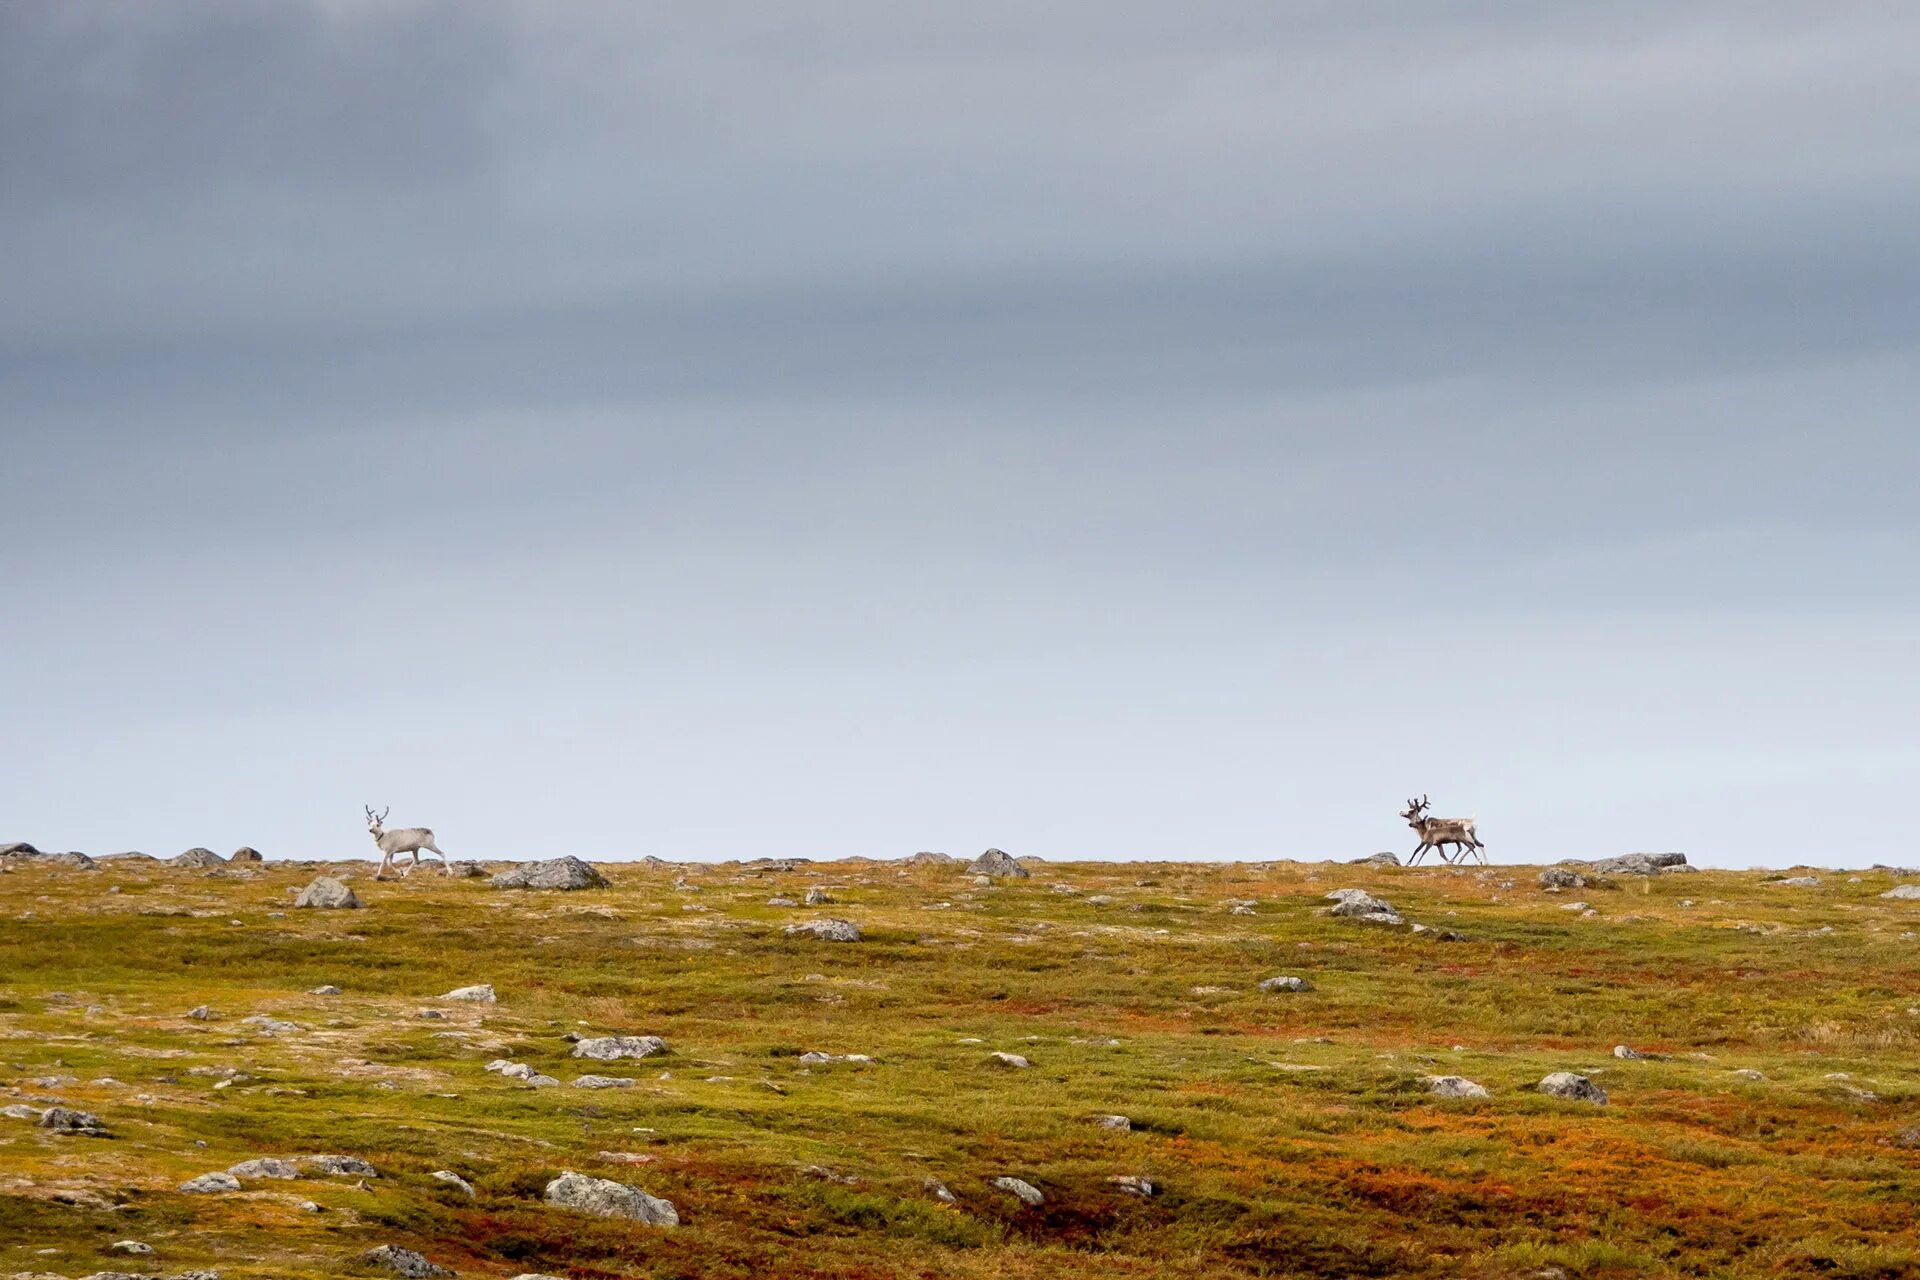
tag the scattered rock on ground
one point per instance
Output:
(245, 853)
(1286, 982)
(200, 1013)
(997, 862)
(341, 1166)
(1562, 878)
(999, 1059)
(327, 892)
(610, 1199)
(1119, 1124)
(1569, 1085)
(481, 994)
(928, 858)
(818, 896)
(264, 1167)
(1381, 859)
(1134, 1185)
(827, 929)
(1028, 1193)
(208, 1184)
(1455, 1087)
(604, 1082)
(326, 990)
(1358, 904)
(453, 1180)
(198, 857)
(1799, 882)
(607, 1048)
(138, 1248)
(68, 1120)
(1903, 891)
(402, 1262)
(1638, 864)
(553, 873)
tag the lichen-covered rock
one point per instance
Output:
(1028, 1194)
(1286, 982)
(1118, 1124)
(481, 994)
(264, 1167)
(1632, 864)
(341, 1166)
(1013, 1060)
(198, 857)
(604, 1082)
(1903, 891)
(67, 1120)
(1455, 1087)
(244, 854)
(928, 858)
(1562, 878)
(827, 929)
(402, 1262)
(453, 1180)
(1358, 904)
(78, 861)
(997, 863)
(553, 873)
(1133, 1184)
(1574, 1087)
(610, 1199)
(327, 893)
(1381, 859)
(608, 1048)
(209, 1184)
(18, 849)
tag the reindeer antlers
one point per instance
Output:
(383, 813)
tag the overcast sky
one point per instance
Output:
(1099, 430)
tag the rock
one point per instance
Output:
(66, 1120)
(1907, 1138)
(465, 870)
(1748, 1073)
(996, 862)
(200, 1013)
(1134, 1185)
(1799, 882)
(341, 1166)
(1455, 1087)
(134, 1247)
(482, 994)
(18, 849)
(1903, 892)
(1358, 904)
(327, 989)
(927, 858)
(1562, 878)
(782, 902)
(1638, 864)
(208, 1184)
(1242, 907)
(604, 1082)
(270, 1025)
(827, 929)
(608, 1048)
(20, 1111)
(1627, 1052)
(264, 1167)
(1577, 1088)
(1028, 1193)
(401, 1262)
(1286, 983)
(939, 1191)
(198, 857)
(1118, 1124)
(78, 861)
(818, 896)
(1381, 859)
(453, 1180)
(554, 873)
(245, 853)
(1014, 1060)
(329, 893)
(610, 1199)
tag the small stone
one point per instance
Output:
(1455, 1087)
(1562, 878)
(1903, 891)
(1569, 1085)
(818, 896)
(554, 873)
(402, 1262)
(827, 929)
(264, 1167)
(327, 893)
(1286, 983)
(135, 1247)
(66, 1120)
(608, 1048)
(939, 1191)
(1134, 1185)
(200, 1013)
(609, 1199)
(327, 990)
(482, 994)
(453, 1180)
(244, 854)
(1627, 1052)
(1748, 1073)
(1118, 1124)
(210, 1184)
(996, 863)
(604, 1082)
(341, 1166)
(1026, 1191)
(1000, 1059)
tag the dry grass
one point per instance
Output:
(1291, 1133)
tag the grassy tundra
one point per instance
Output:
(1291, 1134)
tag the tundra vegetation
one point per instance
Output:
(827, 1108)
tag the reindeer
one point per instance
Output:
(1437, 832)
(408, 840)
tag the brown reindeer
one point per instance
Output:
(1435, 833)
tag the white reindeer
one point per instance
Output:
(407, 840)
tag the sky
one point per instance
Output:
(1095, 430)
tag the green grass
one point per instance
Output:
(1291, 1133)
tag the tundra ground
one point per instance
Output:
(1771, 1131)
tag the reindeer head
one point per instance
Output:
(373, 822)
(1415, 812)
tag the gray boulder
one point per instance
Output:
(1633, 864)
(610, 1199)
(998, 863)
(465, 870)
(1028, 1193)
(210, 1184)
(481, 994)
(327, 893)
(828, 929)
(1562, 878)
(1903, 892)
(1358, 904)
(264, 1167)
(818, 896)
(18, 849)
(341, 1166)
(1799, 882)
(198, 857)
(1381, 859)
(401, 1262)
(608, 1048)
(78, 861)
(928, 858)
(1455, 1087)
(1576, 1088)
(553, 873)
(245, 853)
(1118, 1124)
(1286, 982)
(604, 1082)
(67, 1120)
(453, 1180)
